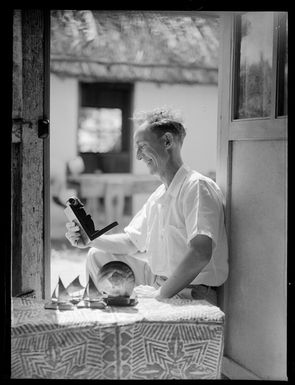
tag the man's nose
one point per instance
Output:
(138, 154)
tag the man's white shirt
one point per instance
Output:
(170, 219)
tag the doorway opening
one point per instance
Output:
(106, 65)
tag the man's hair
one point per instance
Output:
(162, 120)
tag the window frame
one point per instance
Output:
(264, 128)
(280, 17)
(109, 87)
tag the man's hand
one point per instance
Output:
(193, 263)
(147, 291)
(74, 236)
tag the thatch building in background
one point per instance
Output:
(134, 46)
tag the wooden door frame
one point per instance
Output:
(30, 139)
(224, 159)
(5, 275)
(46, 156)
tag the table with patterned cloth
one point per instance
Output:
(168, 339)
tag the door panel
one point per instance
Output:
(257, 286)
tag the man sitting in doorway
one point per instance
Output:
(176, 244)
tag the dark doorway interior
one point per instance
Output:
(104, 127)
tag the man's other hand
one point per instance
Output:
(147, 291)
(74, 235)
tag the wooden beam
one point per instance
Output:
(46, 293)
(17, 91)
(16, 155)
(258, 129)
(28, 217)
(74, 59)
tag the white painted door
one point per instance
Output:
(252, 171)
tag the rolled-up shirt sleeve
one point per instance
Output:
(202, 212)
(137, 229)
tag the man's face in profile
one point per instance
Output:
(150, 148)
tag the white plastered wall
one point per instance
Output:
(63, 123)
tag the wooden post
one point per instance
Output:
(28, 181)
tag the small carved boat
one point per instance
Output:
(60, 299)
(92, 297)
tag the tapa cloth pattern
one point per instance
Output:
(169, 339)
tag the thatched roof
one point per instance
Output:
(130, 46)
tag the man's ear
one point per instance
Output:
(168, 140)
